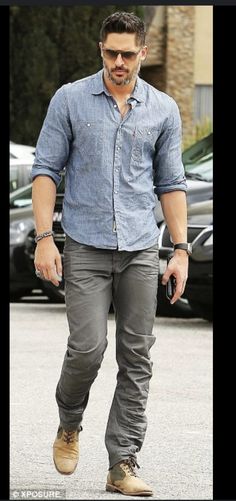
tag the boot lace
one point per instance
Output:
(129, 466)
(69, 436)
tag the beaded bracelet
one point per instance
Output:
(43, 235)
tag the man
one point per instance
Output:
(117, 137)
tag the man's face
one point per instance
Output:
(121, 70)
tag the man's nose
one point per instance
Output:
(119, 61)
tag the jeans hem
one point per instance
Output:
(122, 458)
(70, 427)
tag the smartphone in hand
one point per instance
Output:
(170, 286)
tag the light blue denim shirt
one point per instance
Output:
(114, 166)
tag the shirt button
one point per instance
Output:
(117, 170)
(149, 132)
(116, 192)
(115, 105)
(88, 125)
(118, 148)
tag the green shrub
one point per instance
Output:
(201, 129)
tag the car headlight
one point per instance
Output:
(19, 230)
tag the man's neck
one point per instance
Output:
(120, 92)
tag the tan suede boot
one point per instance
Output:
(122, 478)
(66, 451)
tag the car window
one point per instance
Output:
(198, 149)
(22, 199)
(203, 169)
(198, 160)
(23, 196)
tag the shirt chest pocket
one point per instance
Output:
(88, 139)
(144, 143)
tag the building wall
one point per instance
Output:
(203, 63)
(153, 69)
(155, 18)
(203, 45)
(179, 61)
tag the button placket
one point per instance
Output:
(117, 164)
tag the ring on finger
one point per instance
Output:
(38, 273)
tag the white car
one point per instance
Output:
(20, 170)
(21, 161)
(21, 151)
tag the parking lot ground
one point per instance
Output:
(176, 458)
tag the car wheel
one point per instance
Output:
(181, 309)
(202, 310)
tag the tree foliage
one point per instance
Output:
(50, 46)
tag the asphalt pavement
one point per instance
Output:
(176, 458)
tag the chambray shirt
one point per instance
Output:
(114, 167)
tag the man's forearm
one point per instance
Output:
(43, 198)
(174, 208)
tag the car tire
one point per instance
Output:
(202, 310)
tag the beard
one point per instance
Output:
(131, 75)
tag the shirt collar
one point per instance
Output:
(98, 87)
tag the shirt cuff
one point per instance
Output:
(43, 171)
(166, 189)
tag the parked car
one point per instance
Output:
(22, 230)
(21, 151)
(199, 286)
(198, 189)
(198, 164)
(22, 278)
(21, 161)
(19, 173)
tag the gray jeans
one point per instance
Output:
(93, 278)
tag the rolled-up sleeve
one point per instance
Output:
(53, 145)
(168, 167)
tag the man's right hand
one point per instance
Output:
(48, 260)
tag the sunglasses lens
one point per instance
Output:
(113, 54)
(129, 55)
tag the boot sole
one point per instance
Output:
(63, 472)
(112, 488)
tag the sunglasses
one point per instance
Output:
(126, 55)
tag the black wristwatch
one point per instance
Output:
(184, 246)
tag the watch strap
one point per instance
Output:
(183, 246)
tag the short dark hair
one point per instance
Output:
(123, 22)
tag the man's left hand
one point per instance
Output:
(178, 267)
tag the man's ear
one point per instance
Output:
(100, 46)
(144, 52)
